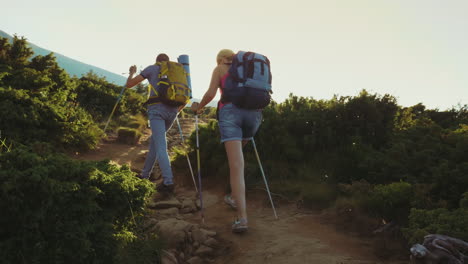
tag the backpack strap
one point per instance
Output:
(269, 69)
(155, 98)
(248, 65)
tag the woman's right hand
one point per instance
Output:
(196, 108)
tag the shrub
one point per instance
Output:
(464, 201)
(438, 221)
(128, 135)
(57, 210)
(391, 201)
(63, 126)
(318, 196)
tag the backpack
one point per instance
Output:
(173, 88)
(248, 84)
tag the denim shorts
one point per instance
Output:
(238, 124)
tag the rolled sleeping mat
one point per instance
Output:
(184, 60)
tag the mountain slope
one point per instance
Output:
(73, 67)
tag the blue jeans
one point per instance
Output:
(237, 123)
(161, 119)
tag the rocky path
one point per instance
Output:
(296, 237)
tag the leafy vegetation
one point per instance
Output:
(367, 152)
(41, 102)
(57, 210)
(363, 153)
(54, 209)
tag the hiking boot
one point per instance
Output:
(230, 201)
(141, 176)
(240, 226)
(165, 189)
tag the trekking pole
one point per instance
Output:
(199, 174)
(186, 155)
(264, 178)
(115, 107)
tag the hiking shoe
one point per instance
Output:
(230, 201)
(165, 189)
(240, 226)
(141, 176)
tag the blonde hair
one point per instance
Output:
(224, 53)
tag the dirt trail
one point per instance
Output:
(296, 237)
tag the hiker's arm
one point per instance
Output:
(132, 81)
(212, 89)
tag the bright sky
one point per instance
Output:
(416, 50)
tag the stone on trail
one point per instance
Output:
(203, 251)
(173, 231)
(168, 213)
(168, 258)
(188, 206)
(211, 242)
(199, 236)
(195, 260)
(172, 202)
(208, 232)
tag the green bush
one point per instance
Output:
(388, 158)
(318, 196)
(391, 202)
(99, 97)
(128, 135)
(137, 121)
(28, 119)
(57, 210)
(439, 221)
(39, 101)
(464, 201)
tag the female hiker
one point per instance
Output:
(237, 126)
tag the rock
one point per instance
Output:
(189, 236)
(199, 236)
(188, 250)
(170, 212)
(187, 202)
(150, 223)
(203, 251)
(196, 244)
(188, 210)
(188, 206)
(168, 258)
(151, 204)
(173, 231)
(171, 203)
(211, 242)
(208, 232)
(195, 260)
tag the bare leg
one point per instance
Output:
(236, 171)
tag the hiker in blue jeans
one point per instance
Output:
(161, 117)
(237, 126)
